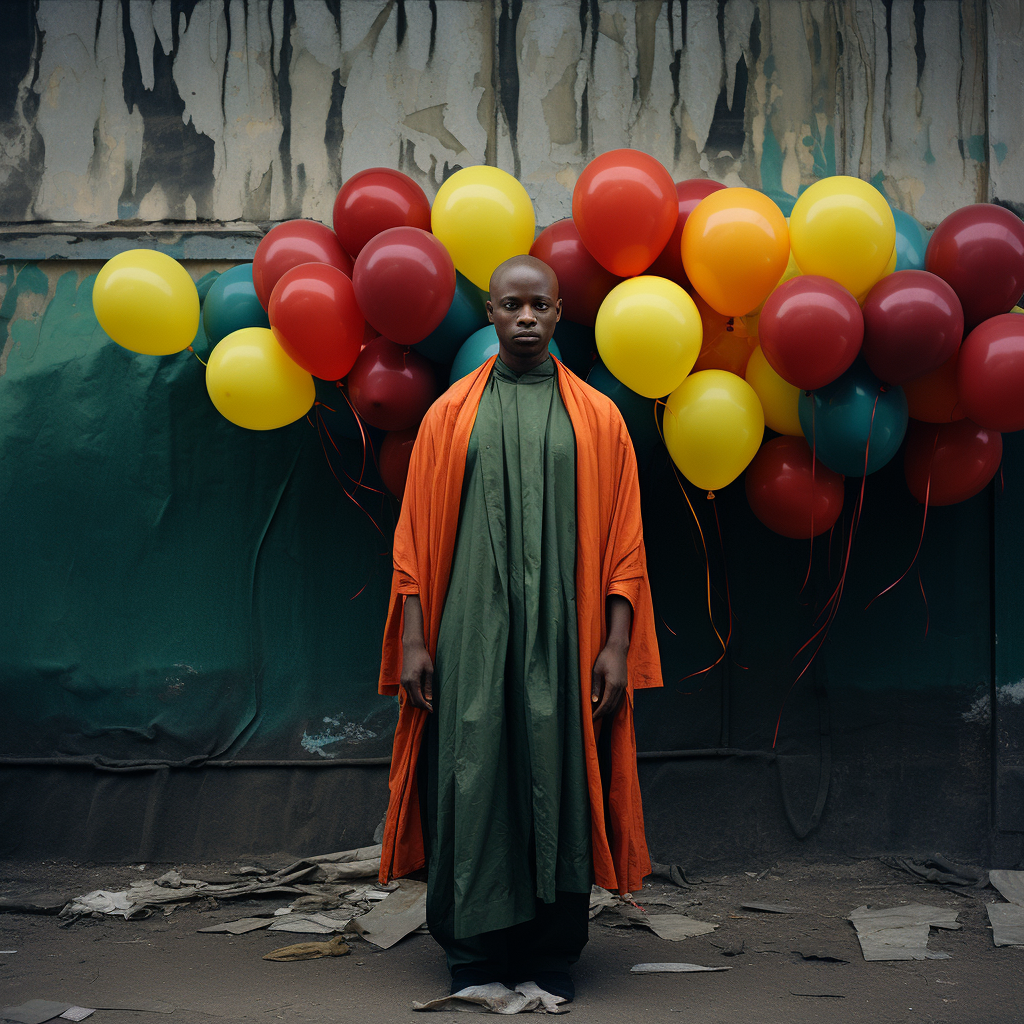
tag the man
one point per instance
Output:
(520, 623)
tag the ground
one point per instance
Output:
(789, 969)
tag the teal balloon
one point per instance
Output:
(231, 304)
(637, 411)
(478, 348)
(854, 414)
(466, 314)
(911, 241)
(579, 349)
(783, 200)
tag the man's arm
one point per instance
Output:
(608, 680)
(417, 668)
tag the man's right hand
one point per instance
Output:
(418, 676)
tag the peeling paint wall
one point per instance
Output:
(227, 110)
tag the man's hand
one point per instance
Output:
(417, 668)
(608, 680)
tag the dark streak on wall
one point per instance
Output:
(284, 98)
(508, 73)
(728, 130)
(401, 24)
(17, 55)
(919, 37)
(590, 18)
(433, 30)
(674, 67)
(20, 43)
(334, 132)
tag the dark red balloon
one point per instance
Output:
(950, 462)
(405, 283)
(810, 331)
(316, 319)
(290, 245)
(787, 496)
(624, 206)
(391, 387)
(670, 263)
(990, 373)
(979, 251)
(913, 323)
(373, 201)
(933, 398)
(393, 459)
(582, 281)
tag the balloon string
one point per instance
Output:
(358, 483)
(725, 573)
(924, 521)
(196, 354)
(814, 460)
(832, 604)
(666, 625)
(927, 612)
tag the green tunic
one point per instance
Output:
(508, 815)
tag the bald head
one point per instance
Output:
(524, 307)
(524, 263)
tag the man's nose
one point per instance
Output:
(527, 316)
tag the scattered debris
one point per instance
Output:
(403, 912)
(819, 995)
(937, 868)
(773, 908)
(1007, 920)
(672, 873)
(1010, 885)
(495, 998)
(819, 958)
(309, 950)
(33, 902)
(673, 968)
(900, 933)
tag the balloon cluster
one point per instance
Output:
(840, 327)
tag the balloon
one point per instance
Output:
(933, 397)
(582, 281)
(373, 201)
(624, 206)
(466, 314)
(254, 384)
(911, 241)
(578, 346)
(913, 323)
(854, 415)
(391, 387)
(950, 462)
(810, 331)
(979, 251)
(791, 492)
(482, 216)
(231, 304)
(637, 411)
(146, 302)
(842, 228)
(404, 281)
(990, 374)
(670, 263)
(648, 334)
(779, 399)
(478, 348)
(730, 350)
(393, 459)
(713, 426)
(291, 244)
(316, 320)
(735, 247)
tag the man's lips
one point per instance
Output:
(526, 336)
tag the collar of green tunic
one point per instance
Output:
(543, 371)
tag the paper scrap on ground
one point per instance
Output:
(900, 933)
(403, 912)
(35, 1011)
(601, 898)
(240, 927)
(673, 968)
(496, 998)
(1010, 885)
(76, 1013)
(677, 926)
(313, 924)
(773, 908)
(1007, 920)
(309, 950)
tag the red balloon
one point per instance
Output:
(393, 459)
(670, 263)
(990, 373)
(391, 387)
(316, 319)
(787, 496)
(810, 331)
(290, 245)
(913, 323)
(405, 283)
(979, 250)
(624, 206)
(933, 397)
(959, 459)
(582, 281)
(373, 201)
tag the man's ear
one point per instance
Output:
(558, 310)
(490, 310)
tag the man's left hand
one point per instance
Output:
(608, 680)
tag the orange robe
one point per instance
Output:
(610, 559)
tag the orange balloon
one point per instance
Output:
(933, 397)
(735, 248)
(731, 350)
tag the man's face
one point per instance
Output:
(524, 307)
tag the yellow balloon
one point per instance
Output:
(713, 427)
(482, 216)
(889, 268)
(1017, 309)
(842, 228)
(779, 399)
(254, 384)
(146, 302)
(648, 333)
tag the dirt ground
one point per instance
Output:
(785, 968)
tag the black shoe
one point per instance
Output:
(558, 983)
(468, 977)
